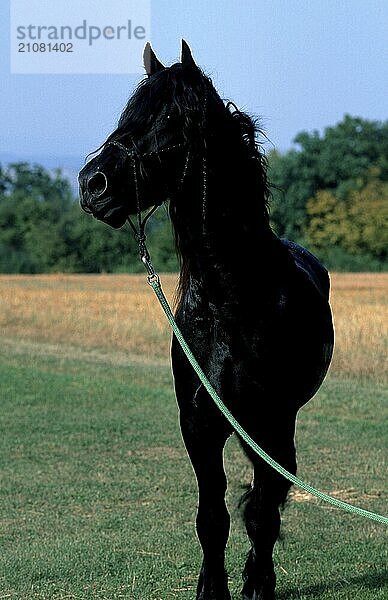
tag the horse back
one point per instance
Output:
(310, 266)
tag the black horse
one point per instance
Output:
(253, 308)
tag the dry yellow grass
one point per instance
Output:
(360, 307)
(119, 313)
(115, 312)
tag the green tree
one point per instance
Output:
(357, 222)
(33, 204)
(338, 161)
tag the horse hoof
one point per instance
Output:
(214, 594)
(260, 592)
(213, 591)
(225, 595)
(259, 596)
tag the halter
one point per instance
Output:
(139, 231)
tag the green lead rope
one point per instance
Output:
(154, 282)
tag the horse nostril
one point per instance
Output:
(97, 184)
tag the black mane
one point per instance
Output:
(192, 99)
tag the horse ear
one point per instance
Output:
(151, 63)
(186, 57)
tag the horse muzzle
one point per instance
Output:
(97, 199)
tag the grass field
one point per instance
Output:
(97, 497)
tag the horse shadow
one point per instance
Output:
(371, 581)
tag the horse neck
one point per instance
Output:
(221, 223)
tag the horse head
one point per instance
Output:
(144, 160)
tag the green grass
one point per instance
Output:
(98, 498)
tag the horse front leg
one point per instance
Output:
(261, 503)
(205, 439)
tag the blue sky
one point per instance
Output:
(300, 65)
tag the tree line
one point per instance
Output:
(43, 229)
(329, 193)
